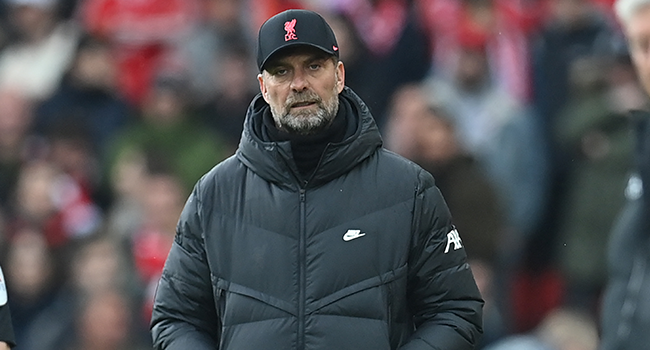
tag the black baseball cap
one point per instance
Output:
(291, 28)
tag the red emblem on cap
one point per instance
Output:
(290, 27)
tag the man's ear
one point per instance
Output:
(263, 90)
(340, 76)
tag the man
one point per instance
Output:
(313, 236)
(6, 329)
(626, 307)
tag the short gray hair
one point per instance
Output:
(625, 9)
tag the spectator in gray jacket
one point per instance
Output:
(626, 306)
(6, 328)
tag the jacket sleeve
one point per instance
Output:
(6, 329)
(445, 302)
(184, 315)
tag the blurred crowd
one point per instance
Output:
(110, 111)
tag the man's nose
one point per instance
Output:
(299, 81)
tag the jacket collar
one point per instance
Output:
(273, 161)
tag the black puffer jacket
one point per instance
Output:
(358, 257)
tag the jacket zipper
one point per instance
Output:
(302, 256)
(301, 272)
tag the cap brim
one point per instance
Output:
(295, 44)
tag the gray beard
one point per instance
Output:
(306, 122)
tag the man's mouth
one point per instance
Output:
(302, 104)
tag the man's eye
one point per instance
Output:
(280, 71)
(314, 66)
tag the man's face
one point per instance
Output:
(472, 71)
(638, 35)
(301, 86)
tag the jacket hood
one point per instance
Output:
(274, 162)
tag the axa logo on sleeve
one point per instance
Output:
(453, 238)
(3, 289)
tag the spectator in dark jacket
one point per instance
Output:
(626, 308)
(87, 98)
(313, 236)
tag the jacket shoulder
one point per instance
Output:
(405, 167)
(222, 171)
